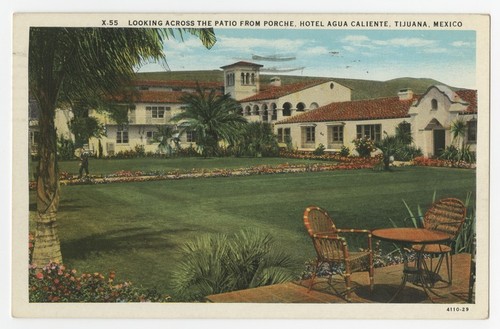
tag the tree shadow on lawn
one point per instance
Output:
(120, 240)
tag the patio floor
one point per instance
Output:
(387, 280)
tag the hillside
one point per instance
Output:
(361, 89)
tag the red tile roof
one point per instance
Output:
(241, 63)
(470, 96)
(177, 84)
(382, 108)
(277, 92)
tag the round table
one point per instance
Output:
(408, 235)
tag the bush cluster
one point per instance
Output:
(55, 283)
(364, 146)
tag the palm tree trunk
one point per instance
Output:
(47, 245)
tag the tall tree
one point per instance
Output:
(68, 64)
(214, 118)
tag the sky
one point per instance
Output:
(446, 56)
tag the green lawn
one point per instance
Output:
(135, 228)
(108, 166)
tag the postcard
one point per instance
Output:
(251, 165)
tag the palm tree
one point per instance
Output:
(68, 64)
(389, 145)
(458, 129)
(214, 118)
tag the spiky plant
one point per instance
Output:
(213, 264)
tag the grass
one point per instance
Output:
(135, 229)
(108, 166)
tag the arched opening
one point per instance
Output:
(274, 112)
(434, 104)
(255, 110)
(301, 107)
(247, 80)
(287, 109)
(313, 106)
(253, 79)
(242, 78)
(247, 110)
(265, 113)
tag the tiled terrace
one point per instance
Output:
(387, 280)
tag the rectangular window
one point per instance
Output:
(157, 112)
(310, 134)
(337, 134)
(373, 132)
(122, 136)
(472, 131)
(284, 135)
(191, 136)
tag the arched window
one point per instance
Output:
(242, 78)
(287, 109)
(247, 110)
(301, 107)
(274, 113)
(313, 106)
(434, 104)
(247, 80)
(253, 79)
(255, 110)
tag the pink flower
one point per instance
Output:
(39, 275)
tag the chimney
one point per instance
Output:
(405, 94)
(275, 82)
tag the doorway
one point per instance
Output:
(439, 141)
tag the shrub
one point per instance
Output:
(344, 151)
(364, 146)
(54, 283)
(220, 263)
(407, 153)
(65, 148)
(320, 150)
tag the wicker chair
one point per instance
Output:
(331, 247)
(446, 215)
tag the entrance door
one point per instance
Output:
(439, 142)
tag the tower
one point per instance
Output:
(241, 79)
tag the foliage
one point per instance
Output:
(220, 263)
(364, 146)
(82, 126)
(65, 148)
(403, 133)
(389, 146)
(452, 153)
(164, 136)
(288, 143)
(320, 150)
(67, 65)
(344, 151)
(407, 153)
(55, 283)
(465, 241)
(214, 119)
(257, 140)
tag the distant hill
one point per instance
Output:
(361, 89)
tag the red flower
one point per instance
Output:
(39, 275)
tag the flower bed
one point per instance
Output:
(341, 163)
(55, 283)
(428, 162)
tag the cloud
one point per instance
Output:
(405, 42)
(462, 44)
(319, 50)
(247, 44)
(355, 39)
